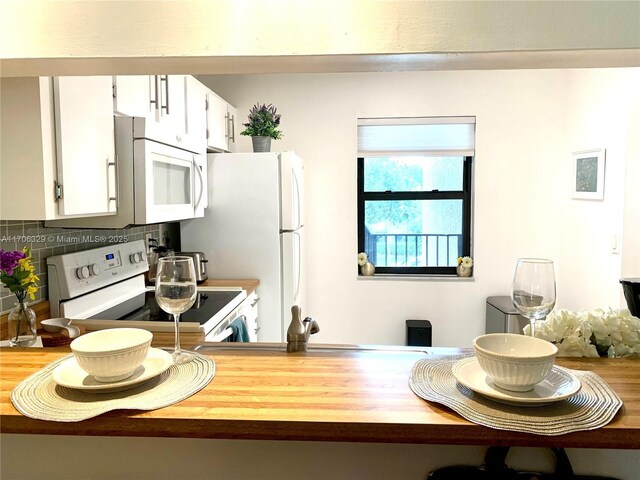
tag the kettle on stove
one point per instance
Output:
(157, 251)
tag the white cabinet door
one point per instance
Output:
(171, 112)
(85, 145)
(217, 124)
(196, 112)
(232, 115)
(134, 95)
(57, 131)
(163, 101)
(27, 148)
(221, 124)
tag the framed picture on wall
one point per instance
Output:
(588, 174)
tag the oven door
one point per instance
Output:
(112, 301)
(165, 180)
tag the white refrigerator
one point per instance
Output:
(254, 228)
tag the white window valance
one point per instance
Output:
(416, 135)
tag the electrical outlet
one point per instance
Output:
(147, 237)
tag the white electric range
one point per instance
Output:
(105, 288)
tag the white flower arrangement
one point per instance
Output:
(362, 259)
(466, 262)
(596, 333)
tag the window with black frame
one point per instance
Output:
(414, 193)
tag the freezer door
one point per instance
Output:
(293, 285)
(291, 191)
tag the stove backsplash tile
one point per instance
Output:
(45, 242)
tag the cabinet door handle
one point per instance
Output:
(233, 128)
(165, 79)
(115, 174)
(255, 302)
(227, 131)
(155, 101)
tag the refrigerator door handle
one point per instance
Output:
(298, 263)
(296, 193)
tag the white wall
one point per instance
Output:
(524, 119)
(601, 107)
(631, 223)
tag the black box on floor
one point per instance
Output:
(418, 333)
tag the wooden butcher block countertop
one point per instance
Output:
(248, 284)
(332, 395)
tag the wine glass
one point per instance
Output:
(175, 294)
(534, 289)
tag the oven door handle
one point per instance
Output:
(226, 333)
(93, 303)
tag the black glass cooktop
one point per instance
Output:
(206, 306)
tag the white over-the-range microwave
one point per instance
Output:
(157, 180)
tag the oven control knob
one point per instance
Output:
(133, 258)
(140, 256)
(82, 272)
(94, 269)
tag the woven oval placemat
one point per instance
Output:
(592, 407)
(39, 397)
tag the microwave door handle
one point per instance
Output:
(197, 167)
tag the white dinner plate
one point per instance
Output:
(558, 385)
(69, 374)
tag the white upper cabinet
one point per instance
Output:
(216, 122)
(56, 148)
(166, 101)
(132, 95)
(196, 110)
(221, 124)
(171, 108)
(85, 145)
(232, 123)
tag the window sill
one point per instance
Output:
(416, 278)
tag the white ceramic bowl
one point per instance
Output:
(113, 354)
(514, 362)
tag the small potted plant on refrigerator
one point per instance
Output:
(262, 126)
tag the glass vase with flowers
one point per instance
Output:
(17, 273)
